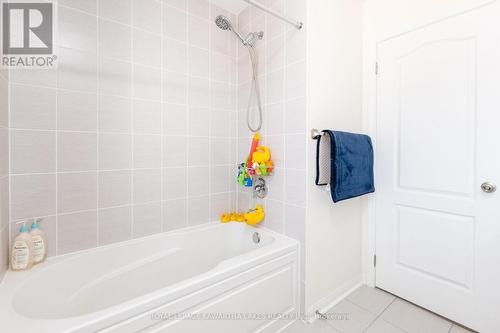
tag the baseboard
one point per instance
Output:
(328, 302)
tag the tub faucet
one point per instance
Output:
(260, 188)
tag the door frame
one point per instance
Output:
(370, 115)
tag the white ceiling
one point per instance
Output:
(233, 6)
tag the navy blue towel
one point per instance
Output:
(351, 165)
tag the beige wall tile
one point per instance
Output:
(115, 188)
(174, 183)
(76, 151)
(115, 114)
(147, 151)
(147, 219)
(198, 210)
(76, 232)
(147, 185)
(4, 251)
(4, 201)
(115, 40)
(116, 10)
(146, 15)
(25, 99)
(77, 70)
(115, 224)
(115, 151)
(33, 195)
(32, 151)
(76, 111)
(174, 214)
(76, 191)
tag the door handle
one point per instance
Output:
(488, 187)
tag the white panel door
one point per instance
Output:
(438, 141)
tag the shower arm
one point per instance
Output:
(296, 24)
(243, 40)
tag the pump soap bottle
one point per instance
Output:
(21, 257)
(38, 241)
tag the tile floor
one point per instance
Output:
(372, 310)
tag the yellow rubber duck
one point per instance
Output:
(232, 217)
(262, 154)
(225, 218)
(255, 216)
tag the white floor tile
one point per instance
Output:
(371, 299)
(349, 318)
(381, 326)
(458, 329)
(413, 319)
(317, 326)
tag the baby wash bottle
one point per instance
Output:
(38, 241)
(21, 256)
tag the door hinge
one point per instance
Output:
(376, 68)
(374, 260)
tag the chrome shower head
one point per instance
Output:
(223, 23)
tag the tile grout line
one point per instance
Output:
(285, 166)
(107, 94)
(131, 109)
(188, 108)
(97, 123)
(120, 133)
(9, 166)
(56, 175)
(163, 213)
(236, 101)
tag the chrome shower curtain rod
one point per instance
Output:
(296, 24)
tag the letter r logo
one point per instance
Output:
(27, 28)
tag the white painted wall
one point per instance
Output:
(383, 19)
(334, 96)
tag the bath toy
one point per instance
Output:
(270, 167)
(254, 216)
(241, 174)
(241, 179)
(261, 154)
(256, 168)
(248, 182)
(251, 170)
(263, 169)
(255, 143)
(224, 218)
(258, 163)
(232, 217)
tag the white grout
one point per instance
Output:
(132, 217)
(97, 122)
(162, 116)
(188, 100)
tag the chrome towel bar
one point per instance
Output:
(315, 134)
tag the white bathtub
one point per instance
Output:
(194, 274)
